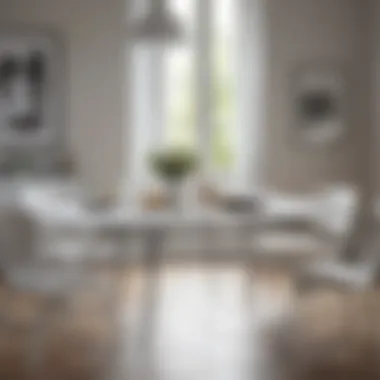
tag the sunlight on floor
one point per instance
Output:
(202, 321)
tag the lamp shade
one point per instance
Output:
(158, 25)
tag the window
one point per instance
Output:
(198, 94)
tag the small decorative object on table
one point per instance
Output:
(174, 165)
(154, 199)
(238, 201)
(209, 195)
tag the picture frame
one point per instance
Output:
(320, 103)
(32, 96)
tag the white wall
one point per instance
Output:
(317, 31)
(298, 30)
(376, 98)
(93, 35)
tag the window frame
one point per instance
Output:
(250, 84)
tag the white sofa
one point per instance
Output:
(356, 267)
(307, 228)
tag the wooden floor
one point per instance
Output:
(183, 323)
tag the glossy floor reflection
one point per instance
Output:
(203, 322)
(198, 322)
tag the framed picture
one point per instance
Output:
(32, 98)
(320, 103)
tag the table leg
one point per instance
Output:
(210, 247)
(246, 241)
(247, 252)
(151, 261)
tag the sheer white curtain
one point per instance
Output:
(252, 93)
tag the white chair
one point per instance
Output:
(306, 228)
(25, 271)
(287, 212)
(355, 266)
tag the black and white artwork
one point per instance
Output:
(320, 104)
(23, 81)
(31, 90)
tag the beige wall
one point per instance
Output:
(299, 30)
(93, 35)
(376, 100)
(317, 30)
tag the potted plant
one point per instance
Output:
(174, 165)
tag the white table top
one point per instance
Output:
(70, 212)
(62, 205)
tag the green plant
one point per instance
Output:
(174, 164)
